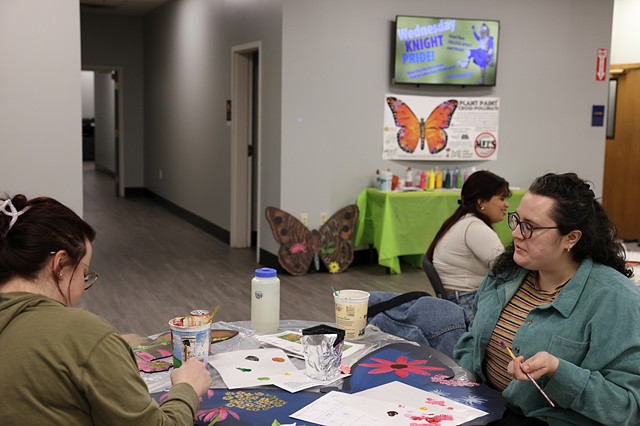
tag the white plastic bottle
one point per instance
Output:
(265, 301)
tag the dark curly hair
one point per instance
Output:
(45, 226)
(575, 207)
(481, 185)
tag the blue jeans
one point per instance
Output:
(464, 299)
(428, 320)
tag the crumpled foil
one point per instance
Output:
(322, 359)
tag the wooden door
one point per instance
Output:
(621, 186)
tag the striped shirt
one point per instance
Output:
(511, 318)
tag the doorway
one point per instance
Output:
(108, 140)
(245, 119)
(621, 193)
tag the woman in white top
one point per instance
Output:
(466, 244)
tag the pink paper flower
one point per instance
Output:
(215, 415)
(401, 366)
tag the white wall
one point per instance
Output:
(105, 147)
(40, 101)
(625, 37)
(336, 71)
(88, 107)
(187, 83)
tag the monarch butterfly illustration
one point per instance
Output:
(413, 130)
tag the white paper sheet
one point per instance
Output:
(259, 367)
(394, 404)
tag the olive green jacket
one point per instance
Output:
(66, 366)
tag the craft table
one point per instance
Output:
(262, 405)
(404, 223)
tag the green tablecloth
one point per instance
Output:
(405, 223)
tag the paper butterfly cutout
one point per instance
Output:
(413, 130)
(299, 246)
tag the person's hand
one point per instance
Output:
(542, 363)
(193, 372)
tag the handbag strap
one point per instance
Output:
(394, 301)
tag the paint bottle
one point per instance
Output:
(431, 178)
(423, 180)
(265, 301)
(447, 179)
(458, 178)
(409, 178)
(438, 178)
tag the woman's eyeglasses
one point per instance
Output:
(89, 279)
(525, 227)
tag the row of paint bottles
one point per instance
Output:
(437, 179)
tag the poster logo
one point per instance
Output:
(485, 145)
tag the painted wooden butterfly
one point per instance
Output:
(299, 246)
(413, 130)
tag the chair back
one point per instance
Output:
(434, 278)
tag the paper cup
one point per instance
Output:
(189, 341)
(351, 312)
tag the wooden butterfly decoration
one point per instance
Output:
(299, 246)
(413, 130)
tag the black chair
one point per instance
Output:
(434, 279)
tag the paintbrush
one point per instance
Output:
(515, 360)
(215, 311)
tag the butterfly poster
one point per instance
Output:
(440, 128)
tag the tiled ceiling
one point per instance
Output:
(120, 7)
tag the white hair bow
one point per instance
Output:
(9, 209)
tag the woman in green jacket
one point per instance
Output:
(62, 365)
(561, 300)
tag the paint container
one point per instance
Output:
(384, 180)
(351, 312)
(190, 337)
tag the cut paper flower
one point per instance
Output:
(215, 415)
(402, 367)
(153, 366)
(334, 267)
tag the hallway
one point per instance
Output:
(154, 266)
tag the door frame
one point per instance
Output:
(119, 147)
(241, 131)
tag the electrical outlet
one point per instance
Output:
(160, 173)
(323, 218)
(304, 218)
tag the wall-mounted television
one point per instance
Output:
(461, 52)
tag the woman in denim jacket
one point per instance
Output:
(559, 297)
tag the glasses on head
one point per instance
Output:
(525, 227)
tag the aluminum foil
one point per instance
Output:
(322, 358)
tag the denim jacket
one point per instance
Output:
(428, 320)
(593, 327)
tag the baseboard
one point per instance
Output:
(195, 220)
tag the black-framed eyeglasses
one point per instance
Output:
(525, 227)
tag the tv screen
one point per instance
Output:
(462, 52)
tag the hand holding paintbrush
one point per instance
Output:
(518, 363)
